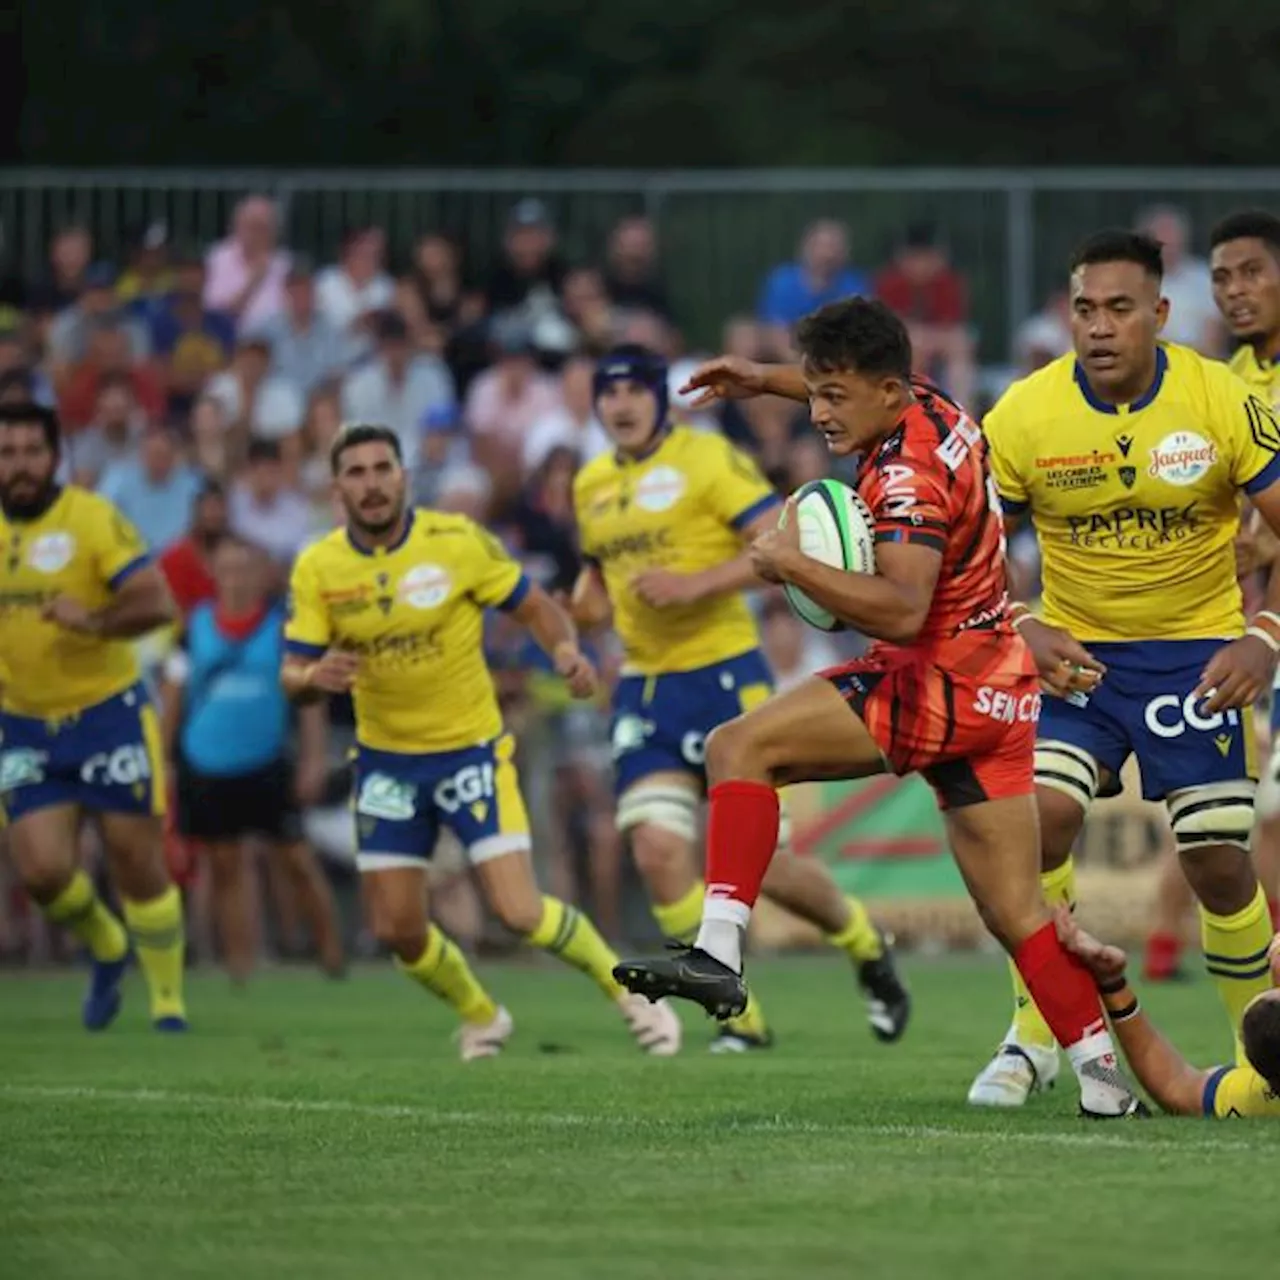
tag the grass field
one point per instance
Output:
(322, 1131)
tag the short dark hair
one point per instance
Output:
(1120, 245)
(355, 433)
(1260, 1034)
(855, 334)
(262, 449)
(210, 487)
(1248, 224)
(30, 414)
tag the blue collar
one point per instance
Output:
(395, 546)
(1162, 366)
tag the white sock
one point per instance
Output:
(1104, 1090)
(724, 921)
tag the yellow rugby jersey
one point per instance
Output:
(414, 613)
(679, 508)
(84, 548)
(1239, 1093)
(1136, 506)
(1263, 379)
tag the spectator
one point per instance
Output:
(631, 276)
(1193, 317)
(541, 526)
(530, 271)
(209, 437)
(465, 490)
(256, 401)
(191, 342)
(572, 424)
(109, 352)
(265, 511)
(410, 393)
(246, 271)
(17, 386)
(323, 422)
(69, 334)
(438, 281)
(187, 564)
(70, 253)
(1044, 336)
(349, 292)
(112, 437)
(931, 296)
(148, 279)
(587, 307)
(503, 404)
(821, 274)
(307, 347)
(156, 490)
(15, 357)
(794, 652)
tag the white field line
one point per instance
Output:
(1131, 1139)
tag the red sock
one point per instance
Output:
(742, 833)
(1061, 987)
(1164, 950)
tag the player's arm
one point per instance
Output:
(141, 602)
(589, 603)
(312, 668)
(733, 378)
(556, 635)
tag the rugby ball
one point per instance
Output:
(837, 529)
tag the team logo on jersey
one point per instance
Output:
(1124, 443)
(660, 490)
(1128, 476)
(1182, 458)
(425, 586)
(51, 552)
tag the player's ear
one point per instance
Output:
(1162, 313)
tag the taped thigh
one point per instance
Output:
(1215, 813)
(1068, 769)
(669, 808)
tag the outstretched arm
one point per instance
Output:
(553, 630)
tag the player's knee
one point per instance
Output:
(733, 751)
(405, 939)
(522, 914)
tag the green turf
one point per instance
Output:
(324, 1131)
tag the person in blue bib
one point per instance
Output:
(228, 728)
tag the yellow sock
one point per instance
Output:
(1029, 1028)
(859, 938)
(1235, 953)
(158, 938)
(79, 909)
(680, 919)
(444, 971)
(568, 934)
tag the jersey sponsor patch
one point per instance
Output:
(425, 586)
(22, 767)
(51, 552)
(660, 489)
(1182, 458)
(388, 798)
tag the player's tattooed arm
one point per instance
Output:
(1175, 1085)
(141, 604)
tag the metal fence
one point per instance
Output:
(1009, 230)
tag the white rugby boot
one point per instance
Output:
(1013, 1075)
(485, 1039)
(655, 1025)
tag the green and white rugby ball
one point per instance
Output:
(837, 529)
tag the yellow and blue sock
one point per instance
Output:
(1029, 1027)
(859, 939)
(444, 971)
(159, 940)
(79, 909)
(569, 935)
(680, 920)
(1235, 953)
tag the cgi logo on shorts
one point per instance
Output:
(425, 586)
(1182, 458)
(119, 768)
(1170, 716)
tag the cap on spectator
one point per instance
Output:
(102, 275)
(389, 326)
(529, 212)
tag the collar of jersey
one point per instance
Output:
(1162, 366)
(660, 437)
(395, 546)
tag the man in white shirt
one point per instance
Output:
(244, 274)
(307, 348)
(1193, 317)
(572, 425)
(253, 398)
(357, 285)
(410, 392)
(264, 511)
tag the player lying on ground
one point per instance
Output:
(391, 608)
(1130, 457)
(1249, 1089)
(78, 733)
(950, 691)
(662, 523)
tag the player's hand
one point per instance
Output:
(661, 588)
(71, 615)
(1237, 675)
(309, 781)
(1105, 962)
(575, 669)
(775, 550)
(1065, 665)
(335, 672)
(725, 378)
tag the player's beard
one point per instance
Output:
(377, 528)
(30, 508)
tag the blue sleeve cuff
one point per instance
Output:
(300, 649)
(517, 596)
(744, 518)
(1012, 507)
(121, 576)
(1265, 478)
(1210, 1098)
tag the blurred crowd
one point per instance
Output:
(199, 387)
